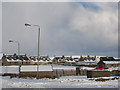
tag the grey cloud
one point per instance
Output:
(0, 27)
(99, 28)
(66, 28)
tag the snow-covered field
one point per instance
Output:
(62, 82)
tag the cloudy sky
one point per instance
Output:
(0, 27)
(67, 28)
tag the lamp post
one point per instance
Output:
(18, 45)
(38, 44)
(18, 52)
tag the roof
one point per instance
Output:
(111, 62)
(16, 57)
(117, 59)
(107, 59)
(41, 58)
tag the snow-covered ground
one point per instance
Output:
(34, 68)
(62, 82)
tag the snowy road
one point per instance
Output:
(63, 82)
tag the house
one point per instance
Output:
(87, 60)
(15, 60)
(101, 64)
(81, 59)
(76, 59)
(58, 59)
(34, 60)
(110, 61)
(70, 61)
(107, 58)
(65, 60)
(24, 60)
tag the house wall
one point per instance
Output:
(4, 61)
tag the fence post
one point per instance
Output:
(6, 69)
(80, 72)
(89, 74)
(19, 70)
(63, 72)
(56, 73)
(85, 72)
(77, 70)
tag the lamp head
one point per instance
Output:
(27, 24)
(11, 41)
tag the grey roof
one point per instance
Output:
(15, 57)
(107, 59)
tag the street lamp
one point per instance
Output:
(38, 43)
(18, 51)
(18, 45)
(38, 35)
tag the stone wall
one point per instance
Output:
(100, 73)
(52, 74)
(56, 73)
(42, 74)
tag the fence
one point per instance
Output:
(43, 71)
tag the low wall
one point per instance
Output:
(61, 72)
(94, 74)
(11, 75)
(42, 74)
(47, 74)
(56, 73)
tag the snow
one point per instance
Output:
(88, 68)
(46, 61)
(15, 69)
(62, 82)
(111, 62)
(113, 68)
(70, 60)
(51, 58)
(46, 67)
(105, 77)
(86, 62)
(10, 69)
(34, 68)
(12, 60)
(116, 58)
(64, 67)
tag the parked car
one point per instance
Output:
(98, 69)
